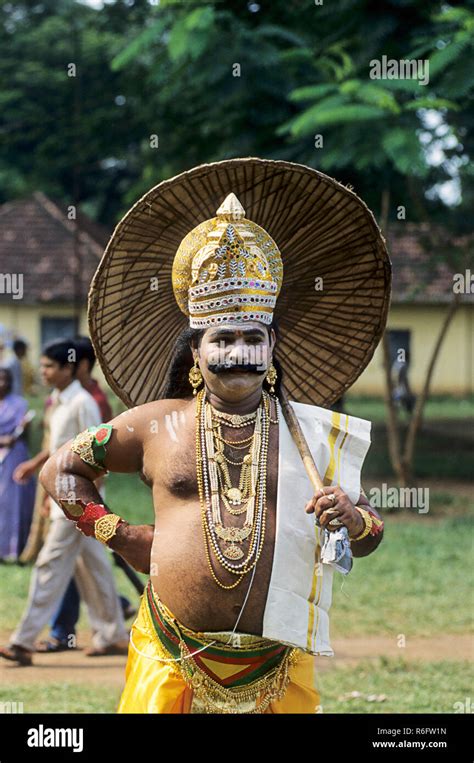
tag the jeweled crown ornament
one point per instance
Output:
(227, 270)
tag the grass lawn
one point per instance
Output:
(409, 687)
(419, 582)
(62, 697)
(437, 407)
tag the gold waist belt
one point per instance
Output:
(228, 672)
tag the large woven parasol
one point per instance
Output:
(328, 328)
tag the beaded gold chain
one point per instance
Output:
(207, 478)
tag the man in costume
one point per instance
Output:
(236, 605)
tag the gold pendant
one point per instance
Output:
(236, 512)
(232, 534)
(233, 552)
(234, 495)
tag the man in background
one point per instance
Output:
(20, 348)
(63, 626)
(85, 364)
(73, 409)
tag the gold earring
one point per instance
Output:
(271, 377)
(195, 377)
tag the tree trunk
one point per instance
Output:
(393, 432)
(415, 421)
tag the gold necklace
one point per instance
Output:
(235, 444)
(209, 494)
(234, 494)
(235, 535)
(277, 420)
(235, 420)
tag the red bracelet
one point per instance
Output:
(377, 524)
(84, 514)
(92, 511)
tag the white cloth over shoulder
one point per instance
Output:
(300, 591)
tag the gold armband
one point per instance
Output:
(90, 445)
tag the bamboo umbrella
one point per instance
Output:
(322, 229)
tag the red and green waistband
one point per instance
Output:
(218, 660)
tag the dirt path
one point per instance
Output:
(75, 667)
(457, 646)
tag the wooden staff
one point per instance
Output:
(305, 453)
(300, 440)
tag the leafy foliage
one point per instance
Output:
(215, 80)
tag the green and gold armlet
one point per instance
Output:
(90, 445)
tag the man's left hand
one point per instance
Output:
(344, 510)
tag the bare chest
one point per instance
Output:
(183, 579)
(173, 468)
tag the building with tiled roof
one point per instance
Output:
(420, 274)
(38, 238)
(38, 241)
(46, 267)
(428, 268)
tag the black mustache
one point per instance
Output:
(222, 368)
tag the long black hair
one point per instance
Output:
(177, 382)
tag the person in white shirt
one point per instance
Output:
(74, 410)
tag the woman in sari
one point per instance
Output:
(16, 500)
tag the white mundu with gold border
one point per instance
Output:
(300, 591)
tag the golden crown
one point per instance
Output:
(227, 270)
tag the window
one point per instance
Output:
(399, 340)
(57, 328)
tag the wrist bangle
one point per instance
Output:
(106, 527)
(92, 519)
(367, 524)
(92, 512)
(373, 524)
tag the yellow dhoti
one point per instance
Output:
(168, 671)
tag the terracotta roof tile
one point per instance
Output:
(37, 240)
(424, 260)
